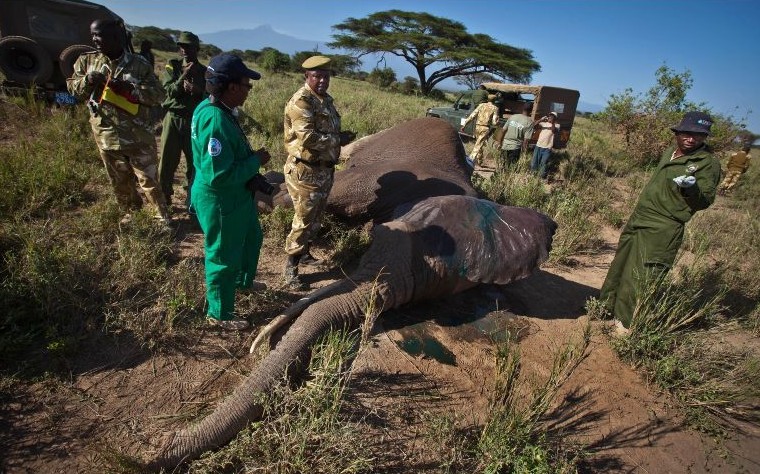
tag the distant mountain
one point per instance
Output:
(261, 37)
(587, 107)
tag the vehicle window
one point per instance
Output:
(558, 107)
(464, 102)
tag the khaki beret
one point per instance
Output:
(316, 62)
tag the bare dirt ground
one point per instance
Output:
(422, 360)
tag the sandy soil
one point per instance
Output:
(427, 359)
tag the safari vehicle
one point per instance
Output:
(41, 39)
(510, 98)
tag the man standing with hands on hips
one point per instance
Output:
(185, 85)
(683, 183)
(312, 140)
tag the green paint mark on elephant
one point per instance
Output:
(427, 347)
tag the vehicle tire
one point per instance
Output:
(23, 60)
(69, 56)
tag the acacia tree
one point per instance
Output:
(473, 81)
(432, 43)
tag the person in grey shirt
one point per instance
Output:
(517, 132)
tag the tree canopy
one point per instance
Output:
(432, 43)
(644, 120)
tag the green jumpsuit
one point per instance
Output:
(650, 240)
(224, 162)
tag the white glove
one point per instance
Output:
(684, 181)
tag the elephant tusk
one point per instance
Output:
(288, 315)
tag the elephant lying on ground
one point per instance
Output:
(414, 160)
(439, 246)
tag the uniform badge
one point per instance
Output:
(214, 147)
(691, 169)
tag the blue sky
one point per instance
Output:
(598, 47)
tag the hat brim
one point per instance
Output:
(251, 74)
(689, 129)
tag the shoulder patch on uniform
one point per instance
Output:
(214, 147)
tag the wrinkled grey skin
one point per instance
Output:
(438, 247)
(414, 160)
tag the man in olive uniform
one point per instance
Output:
(225, 164)
(121, 88)
(480, 95)
(185, 86)
(486, 116)
(683, 183)
(738, 163)
(312, 139)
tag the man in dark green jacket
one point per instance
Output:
(185, 86)
(683, 183)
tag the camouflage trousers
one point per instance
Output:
(481, 135)
(732, 177)
(128, 169)
(309, 187)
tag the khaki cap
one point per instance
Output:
(316, 62)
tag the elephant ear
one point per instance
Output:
(479, 240)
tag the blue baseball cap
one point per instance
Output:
(694, 122)
(231, 67)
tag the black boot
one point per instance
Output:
(291, 273)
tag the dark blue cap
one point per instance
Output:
(231, 67)
(694, 122)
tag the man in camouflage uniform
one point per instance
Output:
(312, 140)
(486, 116)
(185, 85)
(737, 165)
(121, 119)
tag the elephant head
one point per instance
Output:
(434, 248)
(414, 160)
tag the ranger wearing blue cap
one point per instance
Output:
(312, 139)
(185, 85)
(683, 183)
(225, 165)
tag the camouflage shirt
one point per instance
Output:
(485, 115)
(312, 127)
(178, 101)
(114, 128)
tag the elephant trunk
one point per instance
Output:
(244, 405)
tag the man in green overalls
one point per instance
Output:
(225, 165)
(683, 183)
(185, 86)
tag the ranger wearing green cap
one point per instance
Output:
(312, 140)
(683, 183)
(185, 85)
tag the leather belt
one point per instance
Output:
(318, 164)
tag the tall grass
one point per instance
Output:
(677, 338)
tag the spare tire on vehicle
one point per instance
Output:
(69, 56)
(23, 60)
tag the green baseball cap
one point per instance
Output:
(188, 38)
